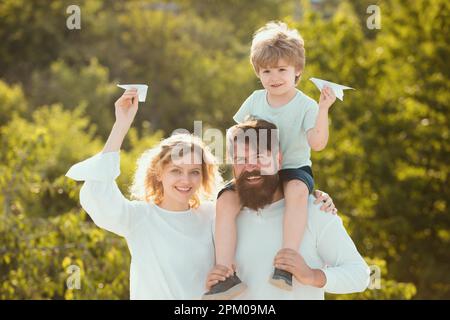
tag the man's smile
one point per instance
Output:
(253, 179)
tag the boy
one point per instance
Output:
(278, 58)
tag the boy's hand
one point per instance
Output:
(126, 107)
(327, 98)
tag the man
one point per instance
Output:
(327, 260)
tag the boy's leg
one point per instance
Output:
(227, 208)
(294, 223)
(295, 214)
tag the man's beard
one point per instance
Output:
(256, 196)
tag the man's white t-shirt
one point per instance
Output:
(293, 120)
(326, 245)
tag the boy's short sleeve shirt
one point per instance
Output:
(293, 120)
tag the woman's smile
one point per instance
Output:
(183, 190)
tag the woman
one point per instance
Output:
(168, 228)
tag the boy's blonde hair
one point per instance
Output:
(151, 163)
(276, 41)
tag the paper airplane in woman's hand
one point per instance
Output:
(141, 88)
(338, 89)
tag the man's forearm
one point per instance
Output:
(318, 136)
(115, 138)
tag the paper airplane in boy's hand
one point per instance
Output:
(338, 89)
(141, 88)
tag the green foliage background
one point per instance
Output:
(386, 165)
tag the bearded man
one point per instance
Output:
(327, 260)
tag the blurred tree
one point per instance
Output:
(245, 17)
(38, 256)
(405, 141)
(387, 161)
(88, 87)
(34, 34)
(43, 231)
(12, 102)
(35, 155)
(192, 73)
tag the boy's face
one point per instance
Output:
(280, 79)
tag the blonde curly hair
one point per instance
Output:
(151, 163)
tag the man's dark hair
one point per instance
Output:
(252, 131)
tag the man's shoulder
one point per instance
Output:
(319, 220)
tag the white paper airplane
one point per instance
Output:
(338, 89)
(141, 88)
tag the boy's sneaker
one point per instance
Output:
(226, 290)
(282, 279)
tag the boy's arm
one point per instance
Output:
(318, 135)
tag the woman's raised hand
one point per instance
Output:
(127, 107)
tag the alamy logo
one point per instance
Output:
(374, 20)
(74, 280)
(73, 22)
